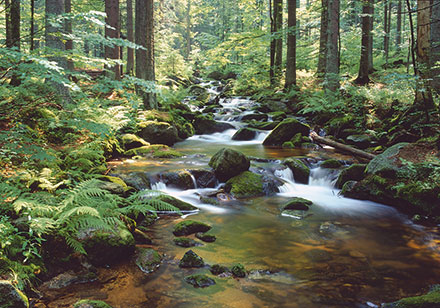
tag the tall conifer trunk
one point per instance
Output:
(130, 51)
(291, 44)
(332, 64)
(112, 31)
(367, 10)
(322, 57)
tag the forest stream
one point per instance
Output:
(341, 253)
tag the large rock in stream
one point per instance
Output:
(158, 132)
(228, 163)
(285, 131)
(300, 171)
(245, 185)
(429, 300)
(11, 297)
(205, 124)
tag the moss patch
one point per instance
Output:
(188, 227)
(87, 303)
(245, 185)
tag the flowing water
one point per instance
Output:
(342, 253)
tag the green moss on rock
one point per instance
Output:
(218, 269)
(245, 185)
(206, 237)
(148, 259)
(199, 281)
(228, 163)
(355, 172)
(190, 259)
(186, 242)
(158, 132)
(238, 270)
(87, 303)
(300, 171)
(188, 227)
(285, 131)
(299, 204)
(181, 205)
(429, 300)
(131, 141)
(331, 164)
(386, 164)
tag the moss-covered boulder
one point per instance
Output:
(355, 172)
(154, 150)
(158, 132)
(204, 178)
(429, 300)
(255, 116)
(181, 205)
(386, 164)
(88, 303)
(137, 180)
(238, 271)
(200, 93)
(181, 179)
(188, 227)
(360, 141)
(245, 185)
(218, 269)
(245, 133)
(190, 259)
(11, 297)
(263, 125)
(186, 242)
(131, 141)
(228, 163)
(297, 204)
(285, 131)
(206, 237)
(148, 260)
(199, 281)
(105, 247)
(331, 164)
(205, 124)
(277, 115)
(300, 171)
(114, 184)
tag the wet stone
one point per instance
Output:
(186, 242)
(318, 255)
(148, 260)
(238, 271)
(199, 281)
(188, 227)
(208, 238)
(218, 269)
(191, 259)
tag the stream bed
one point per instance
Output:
(342, 253)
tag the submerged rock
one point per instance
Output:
(245, 133)
(158, 132)
(208, 238)
(199, 281)
(11, 297)
(285, 131)
(245, 185)
(88, 303)
(238, 271)
(191, 259)
(186, 242)
(148, 259)
(318, 255)
(300, 171)
(228, 163)
(298, 204)
(218, 269)
(188, 227)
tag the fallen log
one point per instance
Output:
(341, 147)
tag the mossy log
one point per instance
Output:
(341, 147)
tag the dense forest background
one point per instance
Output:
(75, 75)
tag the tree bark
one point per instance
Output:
(399, 25)
(8, 23)
(130, 37)
(32, 28)
(272, 43)
(435, 48)
(370, 45)
(331, 83)
(144, 36)
(385, 26)
(112, 31)
(278, 13)
(68, 29)
(322, 58)
(188, 29)
(15, 24)
(56, 8)
(291, 44)
(423, 90)
(342, 147)
(367, 9)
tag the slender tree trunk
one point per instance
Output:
(367, 9)
(32, 29)
(385, 26)
(291, 44)
(8, 23)
(399, 25)
(423, 90)
(435, 48)
(188, 29)
(322, 57)
(272, 44)
(112, 31)
(56, 8)
(130, 37)
(370, 45)
(278, 12)
(332, 65)
(68, 29)
(298, 21)
(144, 36)
(15, 34)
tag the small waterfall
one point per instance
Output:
(193, 179)
(287, 176)
(323, 177)
(160, 186)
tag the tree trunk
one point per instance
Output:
(385, 26)
(332, 64)
(144, 36)
(188, 29)
(32, 28)
(54, 9)
(291, 44)
(278, 14)
(112, 31)
(15, 34)
(423, 90)
(8, 23)
(367, 9)
(68, 29)
(130, 51)
(370, 45)
(272, 43)
(322, 57)
(298, 21)
(399, 25)
(435, 48)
